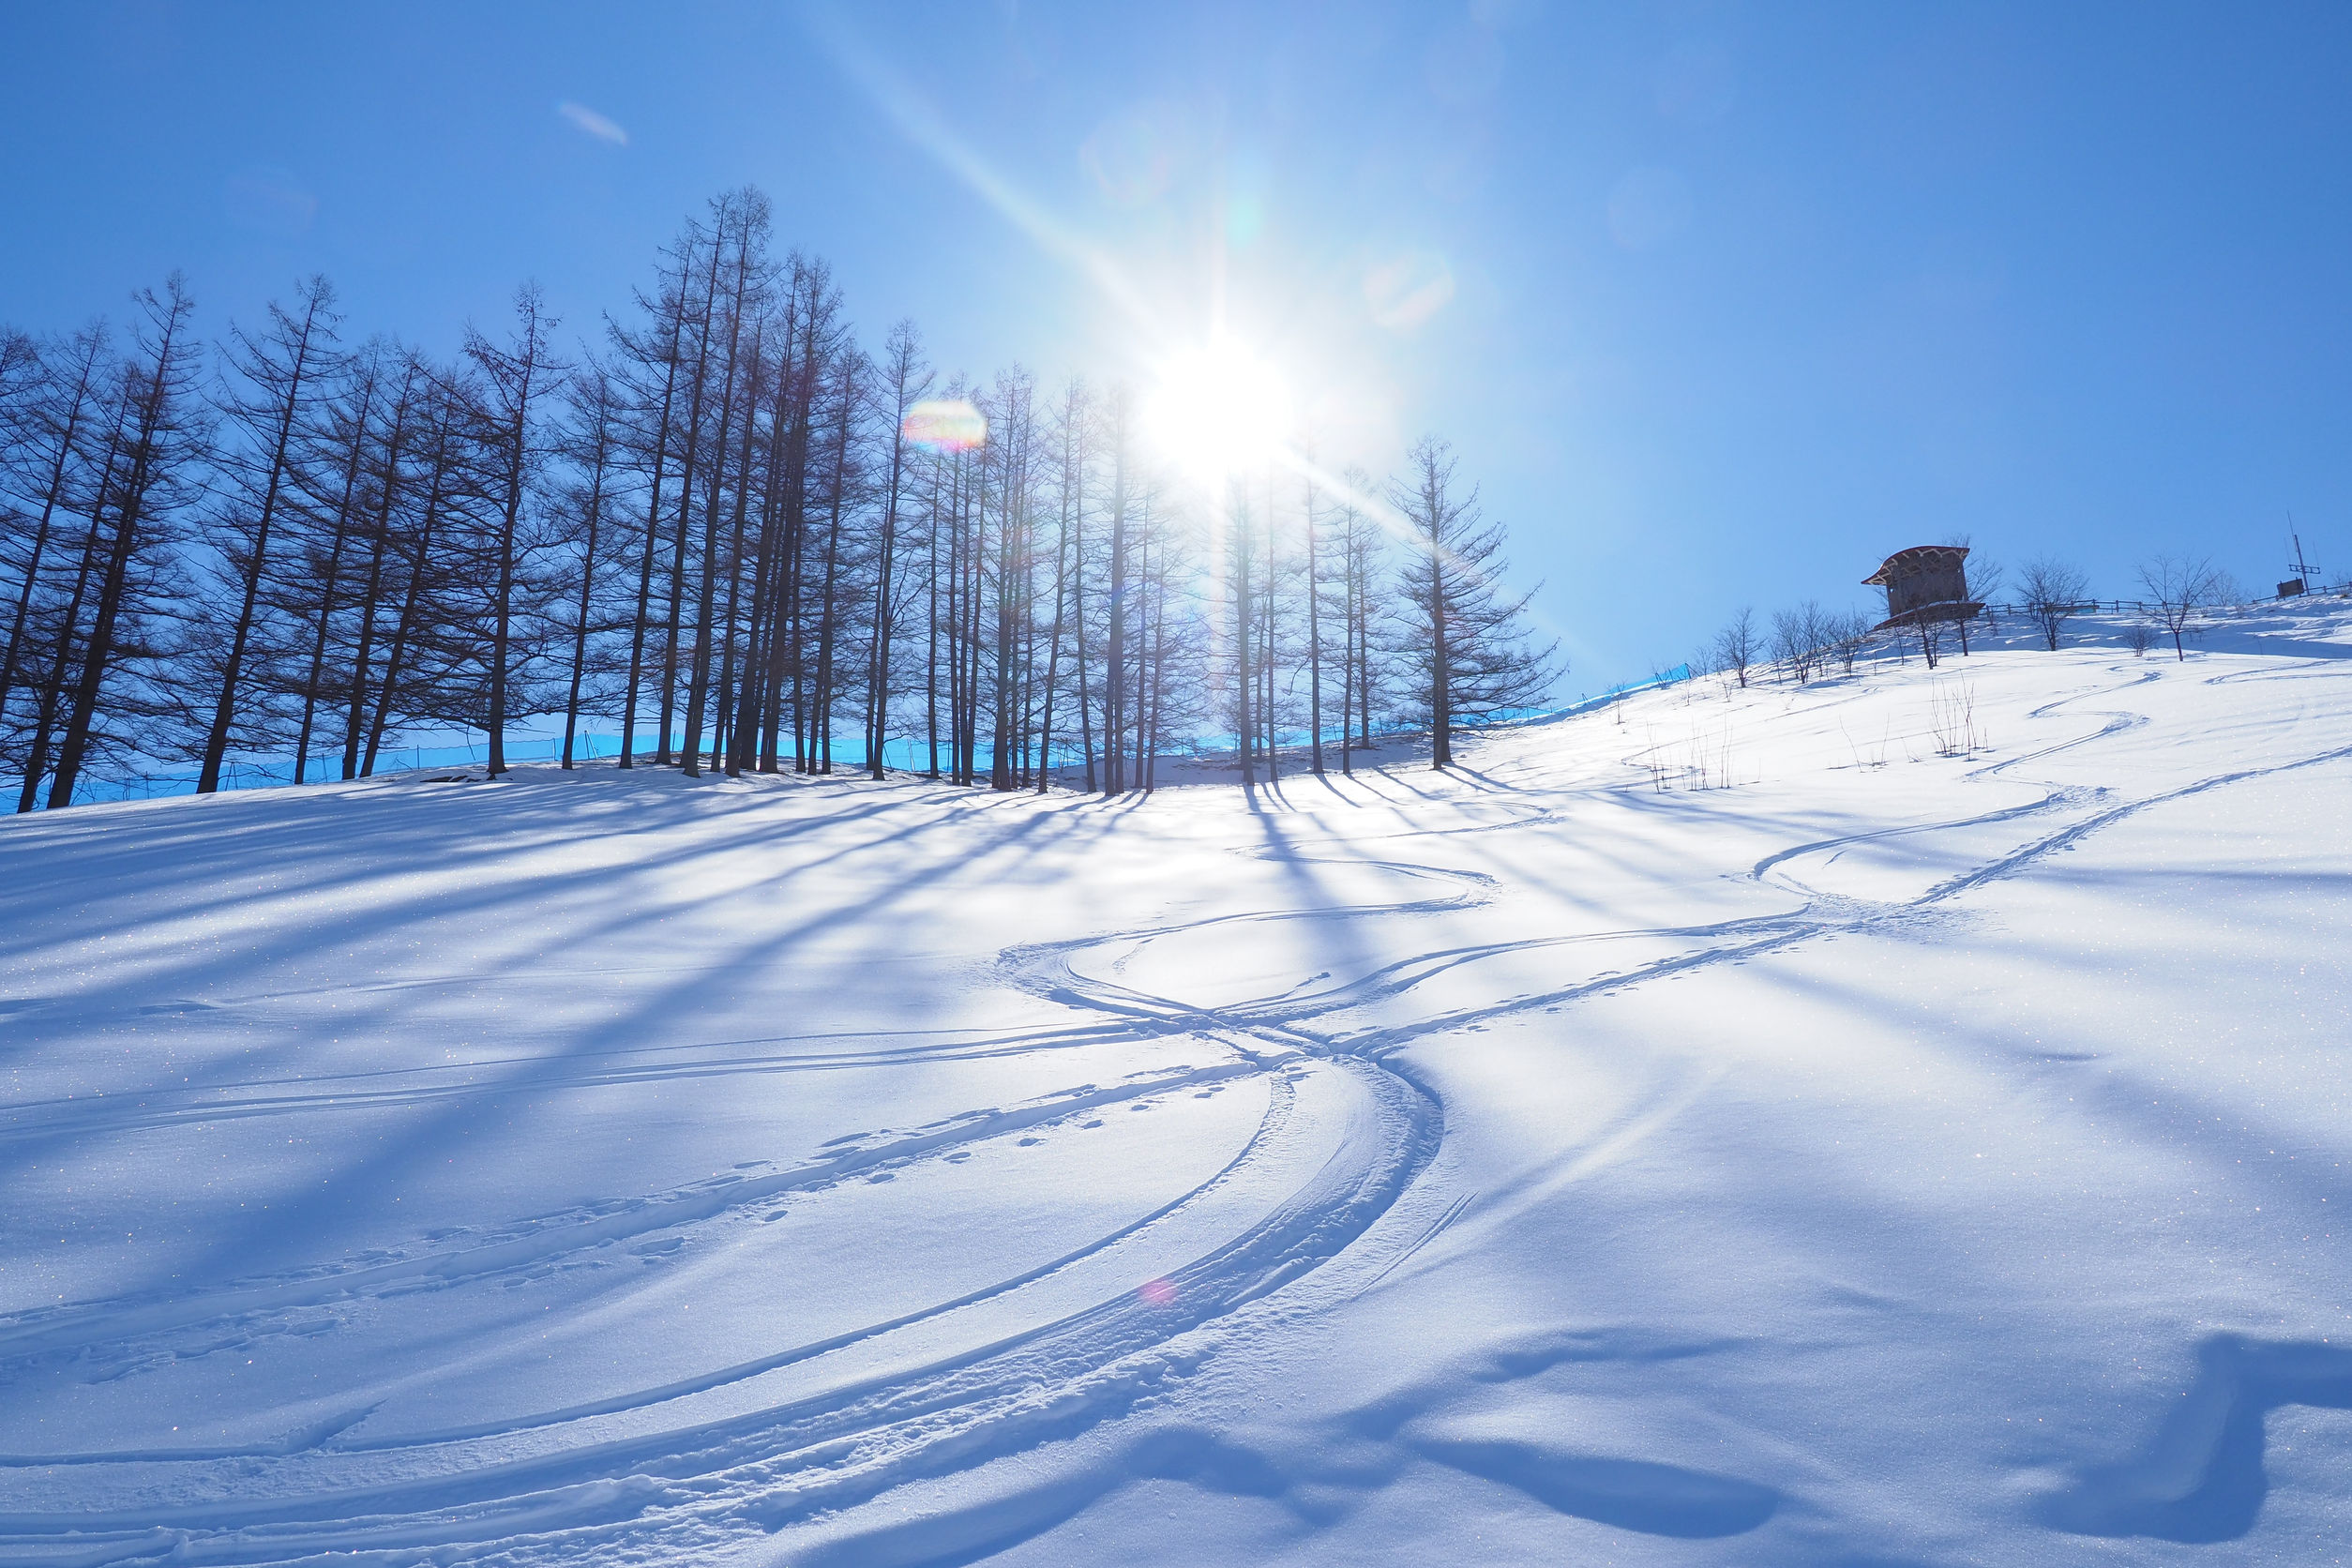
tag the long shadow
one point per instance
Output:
(150, 869)
(502, 832)
(457, 1122)
(450, 1130)
(1334, 1229)
(1486, 783)
(2201, 1479)
(1632, 1494)
(574, 890)
(199, 839)
(2219, 640)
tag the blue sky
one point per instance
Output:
(1719, 303)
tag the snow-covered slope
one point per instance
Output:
(1900, 1120)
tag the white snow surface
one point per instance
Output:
(1900, 1120)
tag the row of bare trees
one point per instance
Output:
(2179, 588)
(719, 526)
(1802, 643)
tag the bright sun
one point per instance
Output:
(1219, 409)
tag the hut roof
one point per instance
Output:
(1919, 558)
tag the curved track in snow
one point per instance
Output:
(1339, 1140)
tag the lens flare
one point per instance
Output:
(945, 425)
(1160, 1292)
(1132, 158)
(1406, 290)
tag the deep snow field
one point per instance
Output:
(1897, 1120)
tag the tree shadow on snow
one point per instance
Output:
(351, 848)
(2201, 1479)
(1630, 1494)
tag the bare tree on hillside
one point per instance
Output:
(1988, 579)
(1475, 656)
(518, 378)
(329, 514)
(1314, 562)
(48, 410)
(1067, 449)
(423, 483)
(905, 381)
(405, 415)
(650, 361)
(1363, 568)
(20, 364)
(157, 449)
(1931, 639)
(1734, 651)
(2051, 589)
(1850, 632)
(593, 446)
(275, 377)
(1802, 639)
(2178, 588)
(1986, 576)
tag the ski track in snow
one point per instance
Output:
(680, 1468)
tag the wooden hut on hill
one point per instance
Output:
(1925, 583)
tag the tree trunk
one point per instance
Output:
(51, 494)
(224, 711)
(380, 545)
(685, 500)
(53, 685)
(131, 512)
(652, 535)
(1115, 632)
(1314, 644)
(698, 682)
(601, 440)
(334, 574)
(406, 629)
